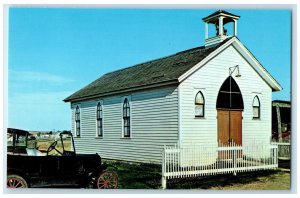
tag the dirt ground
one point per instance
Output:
(277, 181)
(260, 180)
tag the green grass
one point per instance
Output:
(136, 176)
(148, 176)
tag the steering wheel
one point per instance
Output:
(53, 147)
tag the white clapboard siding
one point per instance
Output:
(154, 121)
(208, 80)
(158, 114)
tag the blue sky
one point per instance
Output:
(55, 52)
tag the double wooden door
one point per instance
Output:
(230, 126)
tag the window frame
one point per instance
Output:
(199, 104)
(99, 119)
(77, 120)
(128, 110)
(258, 107)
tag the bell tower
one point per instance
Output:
(219, 19)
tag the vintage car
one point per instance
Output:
(59, 166)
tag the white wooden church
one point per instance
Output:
(216, 93)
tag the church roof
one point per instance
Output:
(169, 70)
(152, 73)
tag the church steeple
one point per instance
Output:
(219, 19)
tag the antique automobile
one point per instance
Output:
(58, 166)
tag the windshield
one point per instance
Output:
(31, 142)
(9, 139)
(16, 139)
(67, 142)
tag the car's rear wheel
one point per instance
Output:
(107, 180)
(16, 181)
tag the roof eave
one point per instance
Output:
(121, 91)
(260, 69)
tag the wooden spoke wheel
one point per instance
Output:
(16, 181)
(107, 180)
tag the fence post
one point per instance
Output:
(276, 155)
(163, 177)
(163, 182)
(234, 160)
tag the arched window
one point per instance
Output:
(256, 107)
(126, 118)
(199, 105)
(230, 96)
(99, 120)
(77, 121)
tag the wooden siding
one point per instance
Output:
(208, 80)
(154, 119)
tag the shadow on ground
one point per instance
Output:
(148, 176)
(219, 181)
(286, 164)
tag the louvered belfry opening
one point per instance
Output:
(230, 96)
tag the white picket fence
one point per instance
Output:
(195, 160)
(284, 150)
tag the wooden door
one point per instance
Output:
(229, 126)
(223, 126)
(236, 127)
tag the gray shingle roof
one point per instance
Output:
(167, 69)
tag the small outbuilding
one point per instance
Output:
(281, 121)
(216, 93)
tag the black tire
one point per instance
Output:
(16, 181)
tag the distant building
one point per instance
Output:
(216, 93)
(42, 134)
(281, 120)
(38, 133)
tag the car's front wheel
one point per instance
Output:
(16, 181)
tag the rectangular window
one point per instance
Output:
(77, 128)
(127, 127)
(255, 112)
(199, 111)
(99, 128)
